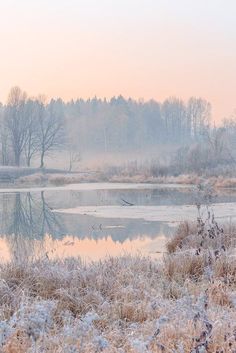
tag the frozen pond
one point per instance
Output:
(97, 220)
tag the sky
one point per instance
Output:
(149, 49)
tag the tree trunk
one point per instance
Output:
(42, 160)
(28, 159)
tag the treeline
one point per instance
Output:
(125, 124)
(31, 128)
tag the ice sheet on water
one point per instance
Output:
(94, 186)
(152, 213)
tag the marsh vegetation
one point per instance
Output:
(184, 303)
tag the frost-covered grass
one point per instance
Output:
(63, 179)
(184, 303)
(104, 176)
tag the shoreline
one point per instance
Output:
(64, 179)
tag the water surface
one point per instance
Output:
(97, 220)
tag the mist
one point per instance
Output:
(172, 137)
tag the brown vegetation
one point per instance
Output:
(107, 174)
(185, 303)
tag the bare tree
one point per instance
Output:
(198, 115)
(31, 145)
(5, 148)
(230, 128)
(74, 156)
(16, 121)
(49, 131)
(5, 143)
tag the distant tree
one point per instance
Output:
(31, 145)
(198, 116)
(4, 133)
(5, 145)
(217, 142)
(230, 129)
(74, 159)
(16, 121)
(174, 116)
(49, 130)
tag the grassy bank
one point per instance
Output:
(64, 179)
(185, 303)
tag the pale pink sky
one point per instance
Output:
(139, 48)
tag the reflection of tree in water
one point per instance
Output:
(25, 218)
(48, 220)
(31, 218)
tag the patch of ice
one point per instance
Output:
(152, 213)
(95, 186)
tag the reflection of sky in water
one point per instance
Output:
(89, 249)
(28, 218)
